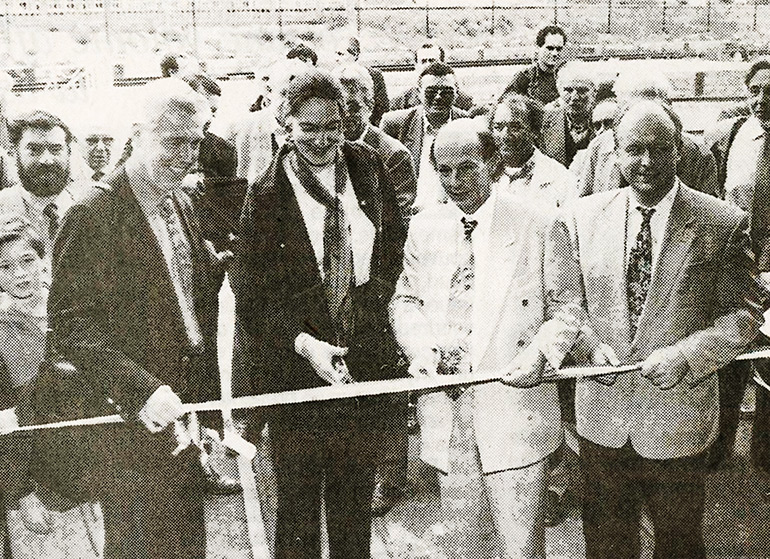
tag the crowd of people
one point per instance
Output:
(368, 237)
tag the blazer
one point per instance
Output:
(514, 427)
(113, 313)
(381, 102)
(597, 170)
(399, 170)
(407, 126)
(553, 135)
(279, 292)
(703, 299)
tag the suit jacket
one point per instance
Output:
(513, 427)
(597, 170)
(399, 170)
(411, 98)
(381, 102)
(407, 126)
(279, 294)
(113, 313)
(703, 299)
(553, 135)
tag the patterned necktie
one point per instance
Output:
(639, 271)
(338, 252)
(51, 212)
(455, 358)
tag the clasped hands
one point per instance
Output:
(326, 359)
(665, 367)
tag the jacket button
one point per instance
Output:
(524, 302)
(185, 359)
(520, 343)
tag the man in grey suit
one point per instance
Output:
(417, 127)
(670, 283)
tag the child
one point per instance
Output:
(24, 287)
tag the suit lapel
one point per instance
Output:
(414, 133)
(674, 251)
(506, 249)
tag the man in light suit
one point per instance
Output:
(476, 290)
(669, 283)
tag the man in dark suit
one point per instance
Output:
(320, 248)
(348, 52)
(416, 127)
(567, 127)
(131, 307)
(677, 290)
(427, 54)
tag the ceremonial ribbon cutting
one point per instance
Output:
(378, 388)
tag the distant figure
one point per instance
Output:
(98, 142)
(348, 51)
(427, 54)
(603, 115)
(539, 79)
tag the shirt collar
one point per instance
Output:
(62, 200)
(665, 204)
(428, 128)
(754, 128)
(149, 194)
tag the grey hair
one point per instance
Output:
(355, 77)
(159, 97)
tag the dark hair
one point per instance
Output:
(756, 66)
(312, 84)
(354, 46)
(441, 52)
(437, 69)
(549, 30)
(36, 119)
(604, 91)
(304, 53)
(14, 227)
(487, 145)
(202, 81)
(533, 106)
(671, 113)
(169, 65)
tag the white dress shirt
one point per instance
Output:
(658, 221)
(542, 180)
(429, 189)
(362, 230)
(741, 162)
(150, 198)
(481, 262)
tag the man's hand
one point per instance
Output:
(605, 355)
(35, 516)
(9, 421)
(426, 364)
(325, 358)
(665, 367)
(526, 369)
(162, 408)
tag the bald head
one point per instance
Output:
(647, 139)
(465, 158)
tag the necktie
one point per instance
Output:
(760, 211)
(181, 261)
(338, 252)
(639, 271)
(455, 357)
(52, 214)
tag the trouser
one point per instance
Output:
(617, 482)
(337, 461)
(513, 499)
(760, 434)
(392, 466)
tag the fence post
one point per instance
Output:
(492, 23)
(556, 12)
(664, 17)
(756, 2)
(427, 19)
(708, 16)
(609, 17)
(194, 29)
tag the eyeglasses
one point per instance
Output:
(604, 124)
(554, 48)
(655, 150)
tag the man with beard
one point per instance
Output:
(417, 127)
(567, 126)
(40, 143)
(538, 81)
(527, 171)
